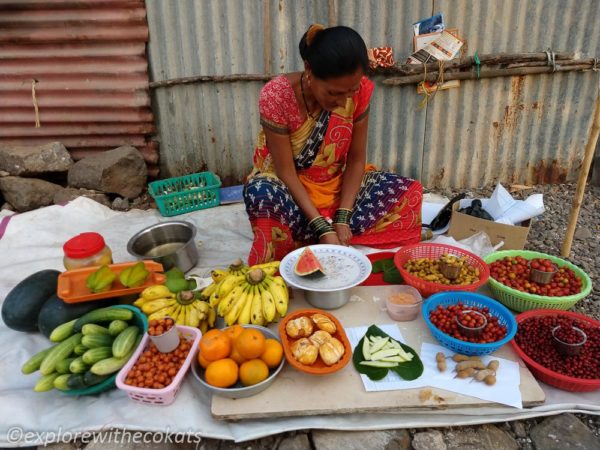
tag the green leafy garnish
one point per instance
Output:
(392, 275)
(409, 370)
(382, 264)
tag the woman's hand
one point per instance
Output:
(344, 233)
(330, 238)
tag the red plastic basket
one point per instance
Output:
(434, 251)
(558, 380)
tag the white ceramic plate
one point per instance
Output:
(344, 268)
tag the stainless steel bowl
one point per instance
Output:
(172, 244)
(239, 391)
(327, 300)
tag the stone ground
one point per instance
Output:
(559, 432)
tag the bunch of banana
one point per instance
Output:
(258, 297)
(158, 301)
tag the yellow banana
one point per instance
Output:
(161, 313)
(155, 305)
(228, 284)
(208, 290)
(213, 299)
(202, 307)
(203, 326)
(279, 291)
(218, 274)
(155, 292)
(212, 317)
(237, 306)
(270, 268)
(140, 301)
(256, 314)
(226, 304)
(193, 317)
(238, 267)
(244, 317)
(268, 303)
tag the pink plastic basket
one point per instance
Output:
(164, 396)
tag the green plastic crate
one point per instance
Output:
(188, 193)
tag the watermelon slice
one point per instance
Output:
(308, 265)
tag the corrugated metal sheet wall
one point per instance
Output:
(524, 130)
(88, 58)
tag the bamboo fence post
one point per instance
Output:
(583, 174)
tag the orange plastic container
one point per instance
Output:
(319, 367)
(72, 289)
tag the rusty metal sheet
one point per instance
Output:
(87, 65)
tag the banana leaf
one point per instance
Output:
(410, 370)
(382, 264)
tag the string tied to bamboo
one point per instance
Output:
(35, 104)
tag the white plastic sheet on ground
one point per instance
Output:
(33, 241)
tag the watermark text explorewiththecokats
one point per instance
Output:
(18, 435)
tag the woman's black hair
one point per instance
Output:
(334, 52)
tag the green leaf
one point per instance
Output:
(410, 370)
(392, 275)
(382, 264)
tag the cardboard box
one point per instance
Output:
(463, 226)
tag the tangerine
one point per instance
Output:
(202, 361)
(233, 332)
(215, 345)
(222, 373)
(273, 353)
(250, 343)
(253, 372)
(236, 356)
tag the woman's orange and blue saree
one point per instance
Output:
(387, 209)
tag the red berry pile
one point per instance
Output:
(534, 336)
(542, 264)
(445, 320)
(568, 335)
(514, 272)
(469, 319)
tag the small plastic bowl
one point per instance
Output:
(168, 341)
(450, 271)
(566, 349)
(403, 303)
(541, 276)
(469, 331)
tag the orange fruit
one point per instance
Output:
(203, 362)
(253, 372)
(222, 373)
(215, 345)
(233, 332)
(273, 353)
(237, 357)
(250, 343)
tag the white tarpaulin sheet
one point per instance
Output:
(33, 241)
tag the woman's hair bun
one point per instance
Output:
(312, 33)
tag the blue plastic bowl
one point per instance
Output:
(139, 319)
(505, 317)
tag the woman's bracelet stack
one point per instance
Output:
(320, 226)
(342, 216)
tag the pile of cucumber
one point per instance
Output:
(88, 350)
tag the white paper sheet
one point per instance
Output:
(505, 391)
(392, 380)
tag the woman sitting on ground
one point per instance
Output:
(310, 182)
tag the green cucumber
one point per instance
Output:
(93, 355)
(124, 342)
(92, 328)
(60, 382)
(116, 327)
(112, 365)
(61, 332)
(103, 315)
(80, 349)
(63, 365)
(46, 382)
(58, 352)
(90, 378)
(78, 365)
(97, 340)
(75, 381)
(35, 361)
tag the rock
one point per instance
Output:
(519, 429)
(35, 160)
(7, 206)
(68, 194)
(298, 442)
(259, 444)
(359, 440)
(429, 440)
(583, 233)
(120, 204)
(61, 446)
(563, 432)
(4, 174)
(141, 440)
(26, 194)
(120, 171)
(485, 437)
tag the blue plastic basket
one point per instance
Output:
(188, 193)
(505, 317)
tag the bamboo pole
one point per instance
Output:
(433, 76)
(583, 174)
(267, 36)
(209, 79)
